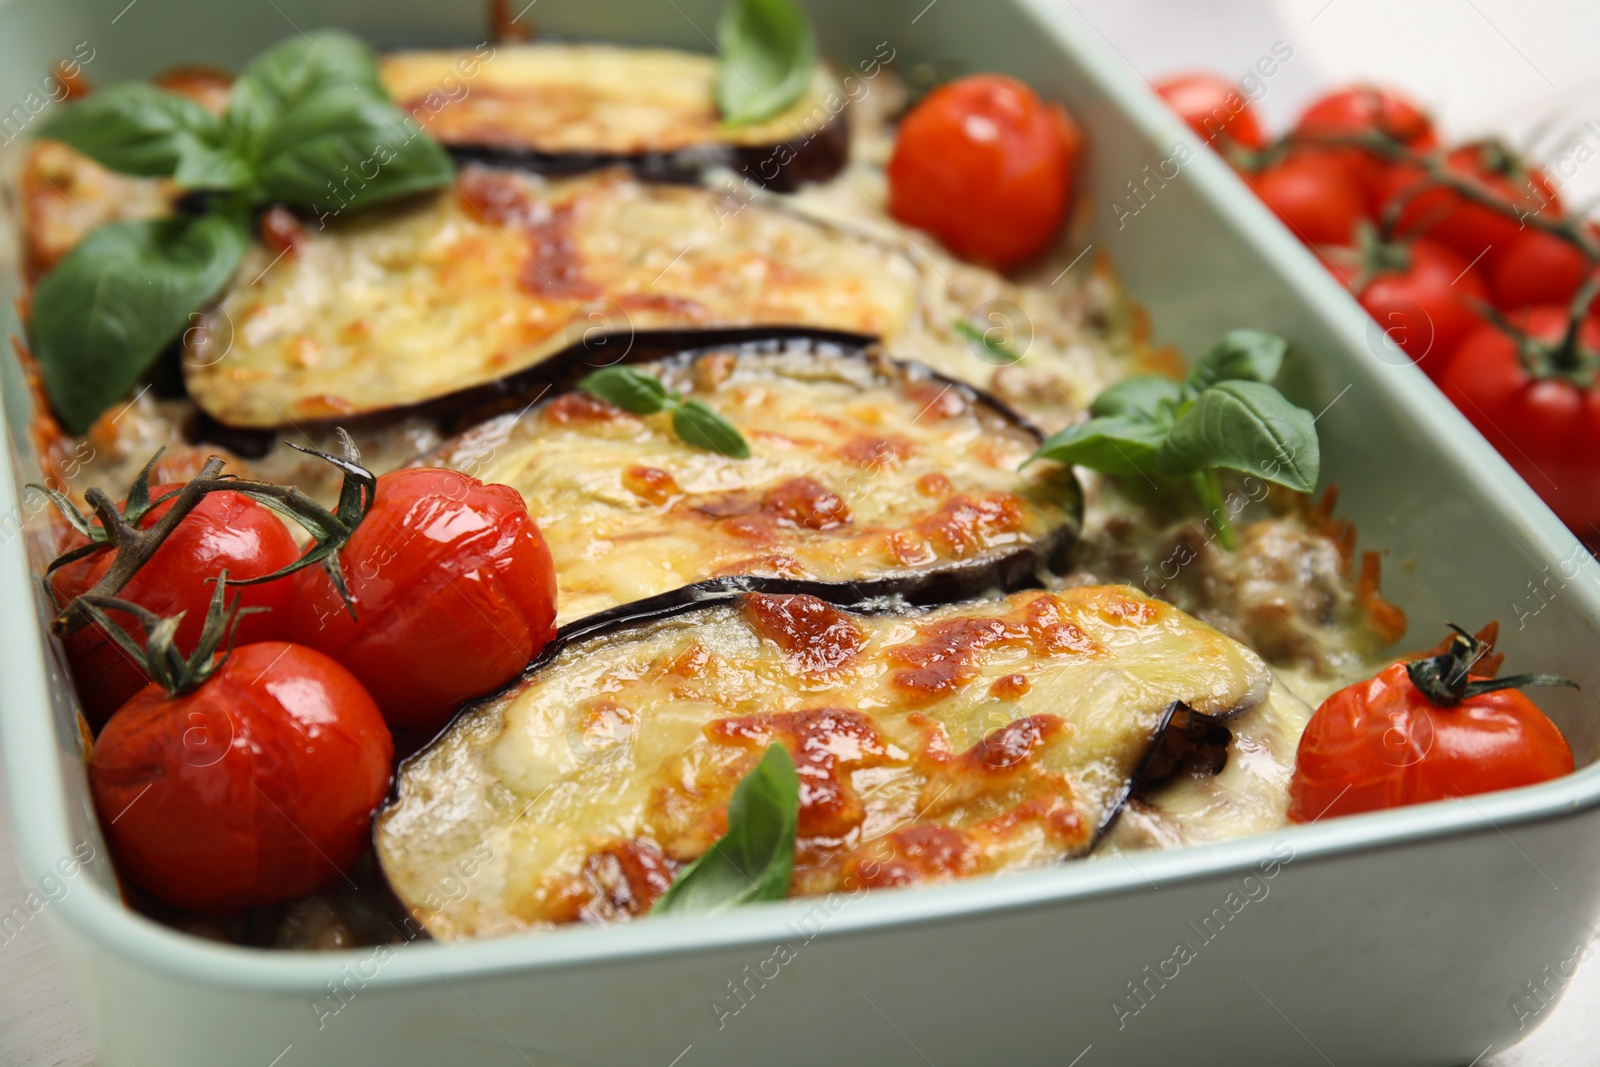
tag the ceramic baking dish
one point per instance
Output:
(1417, 936)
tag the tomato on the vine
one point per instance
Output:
(226, 531)
(454, 592)
(1423, 294)
(1478, 231)
(986, 167)
(1422, 731)
(1315, 197)
(1365, 110)
(1538, 268)
(1214, 108)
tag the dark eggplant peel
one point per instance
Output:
(990, 736)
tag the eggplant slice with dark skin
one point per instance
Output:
(867, 478)
(982, 737)
(563, 109)
(437, 300)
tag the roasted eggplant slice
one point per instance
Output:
(980, 737)
(567, 108)
(472, 287)
(866, 478)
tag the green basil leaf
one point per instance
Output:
(768, 50)
(210, 167)
(1148, 396)
(135, 129)
(999, 353)
(1241, 355)
(629, 389)
(312, 117)
(698, 424)
(1247, 427)
(754, 860)
(1112, 445)
(108, 309)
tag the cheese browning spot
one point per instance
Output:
(619, 881)
(966, 525)
(815, 637)
(937, 400)
(1009, 687)
(580, 407)
(650, 484)
(933, 484)
(805, 502)
(872, 453)
(1010, 746)
(912, 854)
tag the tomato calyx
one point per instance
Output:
(160, 657)
(1446, 678)
(122, 532)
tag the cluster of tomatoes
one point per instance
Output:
(1464, 256)
(258, 784)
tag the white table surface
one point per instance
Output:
(1481, 65)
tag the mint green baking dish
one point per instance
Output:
(1422, 936)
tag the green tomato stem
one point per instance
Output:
(1209, 485)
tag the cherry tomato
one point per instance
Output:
(1314, 196)
(256, 787)
(454, 591)
(1425, 306)
(1381, 744)
(1479, 232)
(225, 531)
(1213, 107)
(1360, 110)
(1539, 268)
(986, 167)
(1547, 428)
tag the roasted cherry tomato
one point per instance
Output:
(1214, 108)
(1422, 295)
(1422, 731)
(1362, 110)
(986, 167)
(1314, 196)
(226, 531)
(454, 592)
(256, 787)
(1529, 394)
(1539, 268)
(1479, 232)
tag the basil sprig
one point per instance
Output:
(308, 124)
(694, 421)
(754, 860)
(768, 49)
(1224, 416)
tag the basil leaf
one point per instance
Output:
(1112, 445)
(135, 129)
(1241, 355)
(108, 309)
(312, 117)
(754, 860)
(768, 50)
(998, 352)
(1247, 427)
(1148, 396)
(628, 389)
(210, 167)
(696, 423)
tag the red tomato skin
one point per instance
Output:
(1362, 109)
(1548, 430)
(1478, 232)
(1428, 308)
(1213, 107)
(986, 167)
(224, 531)
(1381, 744)
(1538, 268)
(454, 589)
(257, 787)
(1314, 197)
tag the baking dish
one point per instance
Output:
(1413, 936)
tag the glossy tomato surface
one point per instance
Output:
(1428, 305)
(1482, 233)
(257, 787)
(1381, 744)
(225, 531)
(1364, 110)
(1539, 268)
(454, 592)
(1213, 107)
(986, 167)
(1547, 429)
(1314, 196)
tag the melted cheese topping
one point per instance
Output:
(66, 195)
(980, 737)
(860, 471)
(566, 98)
(404, 305)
